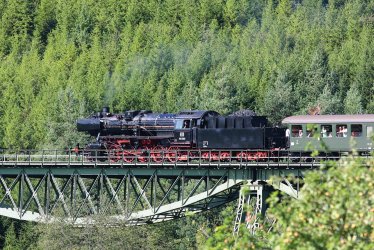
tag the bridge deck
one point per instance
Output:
(200, 159)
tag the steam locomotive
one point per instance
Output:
(144, 135)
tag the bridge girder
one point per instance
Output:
(51, 186)
(132, 196)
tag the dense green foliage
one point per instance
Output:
(184, 233)
(335, 211)
(60, 60)
(65, 59)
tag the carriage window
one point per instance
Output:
(311, 130)
(297, 130)
(326, 131)
(369, 131)
(341, 130)
(356, 130)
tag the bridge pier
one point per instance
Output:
(252, 206)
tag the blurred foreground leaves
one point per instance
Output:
(335, 211)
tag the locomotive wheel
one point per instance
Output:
(205, 156)
(143, 154)
(256, 156)
(186, 155)
(252, 156)
(241, 156)
(129, 156)
(157, 154)
(224, 156)
(193, 155)
(173, 154)
(262, 156)
(215, 156)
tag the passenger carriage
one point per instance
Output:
(332, 133)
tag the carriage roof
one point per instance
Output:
(320, 119)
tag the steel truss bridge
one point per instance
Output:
(49, 185)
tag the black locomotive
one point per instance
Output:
(139, 133)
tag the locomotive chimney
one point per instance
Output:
(105, 111)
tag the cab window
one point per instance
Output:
(341, 130)
(178, 124)
(326, 131)
(297, 131)
(186, 124)
(356, 130)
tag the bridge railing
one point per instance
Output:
(281, 158)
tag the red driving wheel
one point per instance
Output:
(173, 154)
(157, 154)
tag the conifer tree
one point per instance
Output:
(11, 239)
(352, 103)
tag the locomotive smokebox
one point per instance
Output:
(90, 125)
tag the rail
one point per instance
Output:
(166, 158)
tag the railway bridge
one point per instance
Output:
(48, 185)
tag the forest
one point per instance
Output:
(64, 59)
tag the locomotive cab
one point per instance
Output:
(183, 130)
(186, 124)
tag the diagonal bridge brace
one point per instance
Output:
(116, 193)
